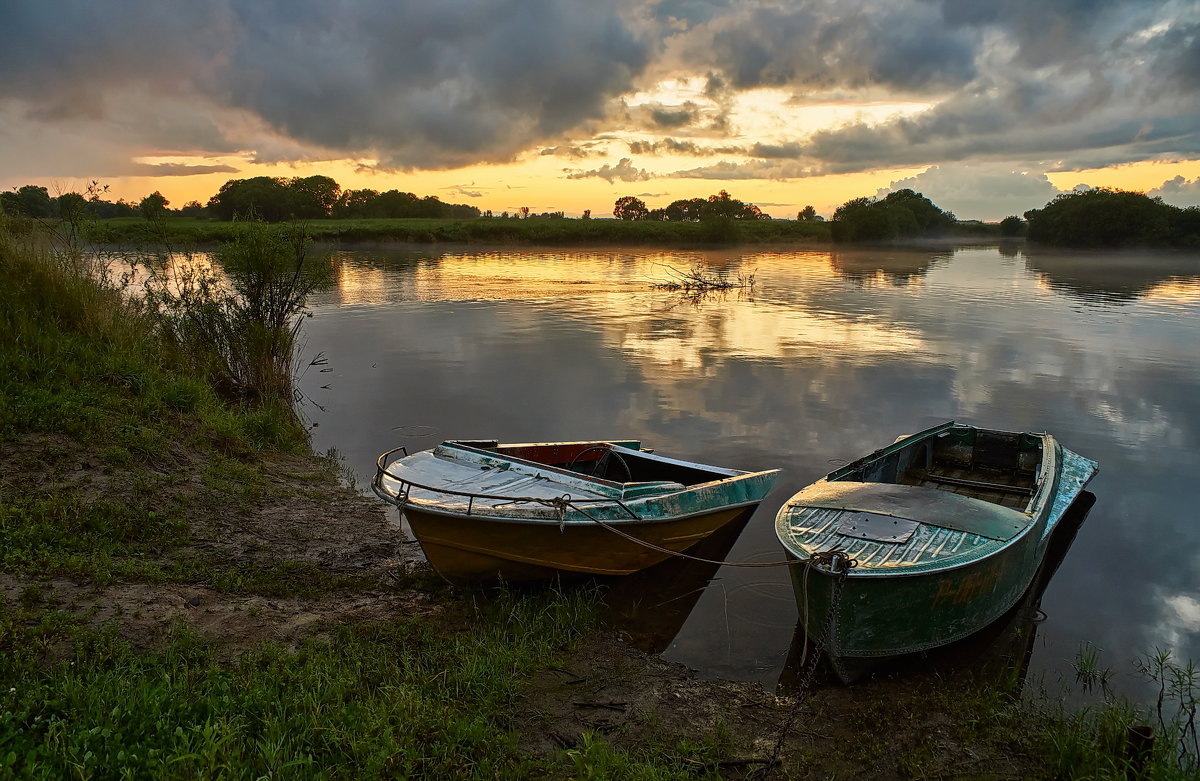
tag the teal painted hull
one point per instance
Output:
(909, 603)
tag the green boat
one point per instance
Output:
(925, 541)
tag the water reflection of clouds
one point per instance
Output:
(820, 365)
(1179, 625)
(766, 332)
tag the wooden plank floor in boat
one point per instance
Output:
(1015, 500)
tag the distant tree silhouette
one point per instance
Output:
(901, 214)
(1112, 218)
(629, 207)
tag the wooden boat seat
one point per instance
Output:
(933, 508)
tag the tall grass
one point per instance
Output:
(237, 325)
(1117, 739)
(80, 355)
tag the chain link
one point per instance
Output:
(839, 564)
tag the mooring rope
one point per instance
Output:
(681, 555)
(561, 504)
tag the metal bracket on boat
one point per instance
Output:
(836, 560)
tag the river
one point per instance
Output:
(826, 356)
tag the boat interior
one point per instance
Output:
(993, 466)
(616, 462)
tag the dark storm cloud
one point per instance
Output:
(826, 44)
(430, 85)
(1072, 82)
(675, 146)
(415, 84)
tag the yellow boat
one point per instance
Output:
(485, 511)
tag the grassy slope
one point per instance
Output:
(83, 379)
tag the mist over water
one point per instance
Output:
(828, 356)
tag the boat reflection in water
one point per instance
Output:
(650, 607)
(1000, 651)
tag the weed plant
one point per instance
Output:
(238, 325)
(1107, 740)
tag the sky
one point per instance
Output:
(988, 107)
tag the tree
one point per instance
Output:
(313, 196)
(1103, 218)
(71, 206)
(154, 206)
(193, 209)
(808, 214)
(901, 214)
(856, 220)
(630, 208)
(29, 201)
(725, 206)
(265, 197)
(685, 210)
(1012, 226)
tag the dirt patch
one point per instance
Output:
(888, 728)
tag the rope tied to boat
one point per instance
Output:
(836, 560)
(689, 557)
(838, 563)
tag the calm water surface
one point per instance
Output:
(831, 355)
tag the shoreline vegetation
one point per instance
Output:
(186, 591)
(1086, 219)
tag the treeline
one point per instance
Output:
(267, 198)
(1087, 219)
(1113, 218)
(313, 197)
(719, 206)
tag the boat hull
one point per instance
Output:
(468, 548)
(936, 566)
(882, 617)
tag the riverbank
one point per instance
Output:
(189, 591)
(299, 573)
(130, 231)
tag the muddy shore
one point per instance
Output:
(307, 529)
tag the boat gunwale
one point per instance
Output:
(612, 446)
(434, 509)
(1039, 507)
(401, 497)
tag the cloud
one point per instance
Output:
(1045, 84)
(1178, 192)
(622, 171)
(176, 169)
(572, 151)
(980, 192)
(675, 146)
(409, 84)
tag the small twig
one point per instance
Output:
(620, 707)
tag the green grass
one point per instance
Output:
(375, 701)
(178, 231)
